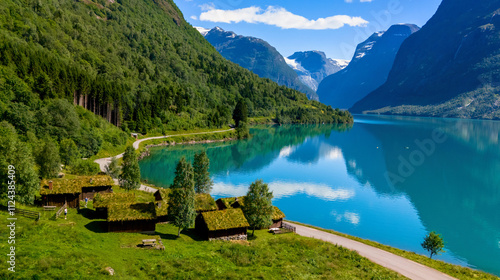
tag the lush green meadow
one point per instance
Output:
(80, 248)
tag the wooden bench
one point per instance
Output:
(149, 242)
(49, 208)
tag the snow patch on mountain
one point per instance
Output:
(203, 31)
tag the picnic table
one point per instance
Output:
(46, 208)
(149, 242)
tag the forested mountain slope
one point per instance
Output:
(136, 63)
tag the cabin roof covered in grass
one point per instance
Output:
(75, 185)
(131, 212)
(277, 214)
(204, 202)
(225, 219)
(106, 199)
(229, 201)
(162, 209)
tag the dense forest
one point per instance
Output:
(77, 76)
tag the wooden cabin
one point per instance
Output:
(138, 217)
(102, 202)
(277, 218)
(229, 202)
(228, 224)
(56, 192)
(92, 185)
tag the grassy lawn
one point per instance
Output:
(456, 271)
(80, 248)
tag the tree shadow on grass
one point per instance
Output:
(88, 213)
(97, 226)
(189, 232)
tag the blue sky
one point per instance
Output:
(334, 26)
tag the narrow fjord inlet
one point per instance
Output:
(388, 179)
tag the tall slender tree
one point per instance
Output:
(48, 159)
(202, 181)
(257, 205)
(240, 113)
(69, 152)
(130, 177)
(181, 198)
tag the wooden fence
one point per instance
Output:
(23, 212)
(288, 228)
(58, 213)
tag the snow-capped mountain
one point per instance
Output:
(368, 69)
(313, 66)
(257, 56)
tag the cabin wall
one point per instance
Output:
(59, 200)
(277, 223)
(228, 234)
(220, 204)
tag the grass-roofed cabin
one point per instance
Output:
(229, 224)
(91, 185)
(138, 217)
(161, 201)
(56, 192)
(229, 202)
(103, 200)
(277, 218)
(204, 202)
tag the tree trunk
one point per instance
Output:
(179, 232)
(253, 231)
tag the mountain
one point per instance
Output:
(450, 68)
(313, 66)
(257, 56)
(368, 68)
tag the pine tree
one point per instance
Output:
(130, 177)
(202, 181)
(113, 169)
(258, 208)
(181, 198)
(240, 113)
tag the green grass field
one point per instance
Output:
(80, 248)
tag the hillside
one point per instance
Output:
(313, 66)
(447, 69)
(368, 68)
(257, 56)
(136, 64)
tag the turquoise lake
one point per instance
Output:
(387, 179)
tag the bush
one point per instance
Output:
(85, 167)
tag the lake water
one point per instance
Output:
(388, 179)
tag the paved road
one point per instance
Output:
(396, 263)
(104, 162)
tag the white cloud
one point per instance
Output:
(349, 217)
(283, 189)
(194, 17)
(277, 16)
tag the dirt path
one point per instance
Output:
(104, 162)
(391, 261)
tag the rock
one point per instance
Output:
(110, 270)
